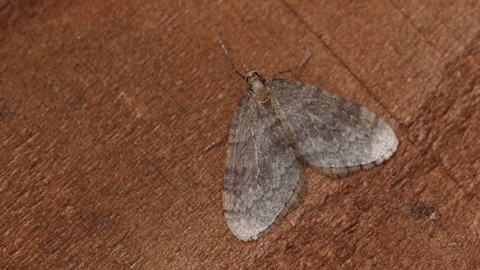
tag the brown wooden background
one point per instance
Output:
(106, 107)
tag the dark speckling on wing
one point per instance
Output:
(278, 126)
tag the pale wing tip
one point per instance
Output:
(386, 146)
(242, 229)
(386, 150)
(246, 230)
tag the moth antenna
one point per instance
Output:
(229, 58)
(294, 67)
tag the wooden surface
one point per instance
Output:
(106, 107)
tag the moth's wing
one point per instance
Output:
(334, 135)
(263, 179)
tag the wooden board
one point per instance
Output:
(106, 108)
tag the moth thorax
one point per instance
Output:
(256, 86)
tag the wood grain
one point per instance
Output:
(106, 108)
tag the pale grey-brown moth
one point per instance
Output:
(278, 126)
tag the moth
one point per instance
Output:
(278, 127)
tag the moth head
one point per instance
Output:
(252, 76)
(256, 86)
